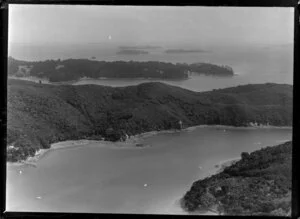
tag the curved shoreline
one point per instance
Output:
(172, 204)
(214, 183)
(70, 144)
(131, 142)
(217, 168)
(73, 82)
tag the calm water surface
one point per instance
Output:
(99, 179)
(251, 66)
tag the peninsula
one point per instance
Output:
(74, 69)
(260, 183)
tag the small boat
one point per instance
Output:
(20, 171)
(38, 197)
(145, 185)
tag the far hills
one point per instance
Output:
(74, 69)
(41, 114)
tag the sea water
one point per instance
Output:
(99, 179)
(255, 64)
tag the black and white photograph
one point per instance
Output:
(161, 110)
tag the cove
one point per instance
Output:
(148, 180)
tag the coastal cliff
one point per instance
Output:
(258, 184)
(41, 114)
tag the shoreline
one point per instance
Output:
(225, 163)
(31, 78)
(131, 142)
(73, 82)
(214, 205)
(192, 128)
(68, 144)
(215, 169)
(174, 203)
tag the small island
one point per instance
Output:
(183, 51)
(131, 52)
(145, 47)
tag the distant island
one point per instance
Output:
(139, 47)
(132, 52)
(41, 114)
(74, 69)
(185, 51)
(258, 184)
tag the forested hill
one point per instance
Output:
(40, 114)
(74, 69)
(258, 184)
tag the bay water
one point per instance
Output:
(149, 180)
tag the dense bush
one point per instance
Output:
(258, 184)
(73, 69)
(48, 113)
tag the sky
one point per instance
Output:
(149, 25)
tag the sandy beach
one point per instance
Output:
(32, 79)
(132, 143)
(129, 143)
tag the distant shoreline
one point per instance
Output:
(131, 142)
(67, 69)
(71, 82)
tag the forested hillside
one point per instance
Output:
(40, 114)
(74, 69)
(258, 184)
